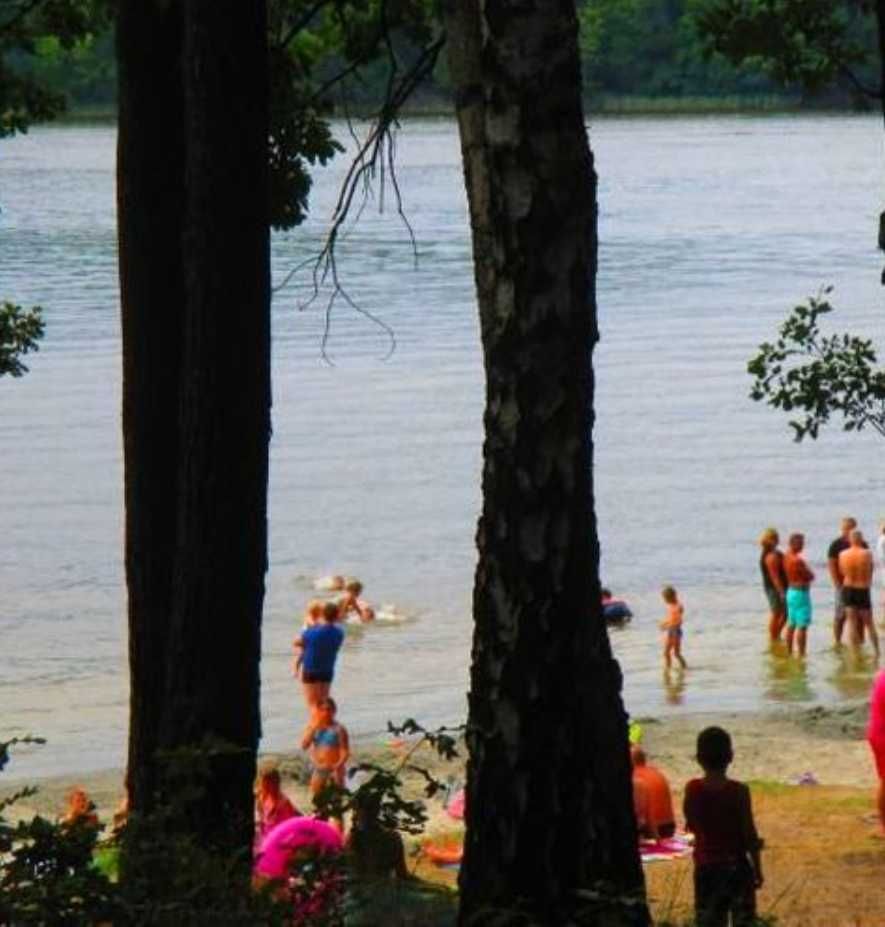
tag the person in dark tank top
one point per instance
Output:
(774, 582)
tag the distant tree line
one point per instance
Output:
(629, 49)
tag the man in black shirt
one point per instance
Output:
(841, 543)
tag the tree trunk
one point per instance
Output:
(221, 554)
(194, 272)
(550, 828)
(150, 208)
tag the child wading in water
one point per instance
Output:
(727, 867)
(672, 626)
(329, 747)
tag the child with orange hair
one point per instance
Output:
(79, 809)
(313, 615)
(272, 805)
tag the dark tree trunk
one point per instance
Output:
(549, 810)
(221, 554)
(194, 271)
(150, 207)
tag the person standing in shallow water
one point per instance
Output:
(798, 601)
(316, 650)
(839, 544)
(774, 582)
(856, 569)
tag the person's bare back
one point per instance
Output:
(856, 567)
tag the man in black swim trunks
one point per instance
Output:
(856, 569)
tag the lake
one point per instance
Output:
(711, 228)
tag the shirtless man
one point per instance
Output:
(856, 570)
(841, 543)
(799, 579)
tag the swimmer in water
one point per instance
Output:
(672, 627)
(351, 602)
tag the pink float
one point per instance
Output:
(280, 845)
(455, 807)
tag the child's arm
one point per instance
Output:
(751, 838)
(307, 737)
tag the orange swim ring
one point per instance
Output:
(444, 854)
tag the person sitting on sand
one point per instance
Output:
(351, 602)
(774, 582)
(272, 805)
(79, 809)
(799, 579)
(876, 740)
(377, 852)
(317, 650)
(727, 863)
(672, 627)
(856, 569)
(655, 802)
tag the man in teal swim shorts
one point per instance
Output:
(799, 579)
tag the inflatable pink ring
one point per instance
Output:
(281, 843)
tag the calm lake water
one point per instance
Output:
(711, 229)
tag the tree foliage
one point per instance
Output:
(819, 376)
(28, 27)
(811, 44)
(20, 331)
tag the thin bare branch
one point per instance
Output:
(858, 85)
(376, 152)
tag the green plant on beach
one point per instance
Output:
(51, 873)
(819, 376)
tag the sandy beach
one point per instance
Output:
(775, 746)
(822, 863)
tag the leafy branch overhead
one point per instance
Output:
(818, 375)
(808, 43)
(20, 330)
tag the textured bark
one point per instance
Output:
(150, 207)
(194, 271)
(221, 553)
(549, 808)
